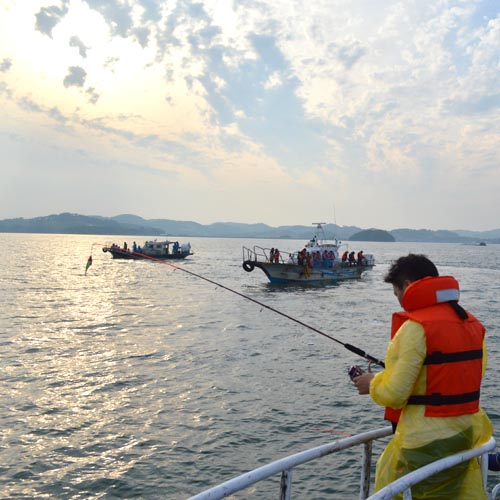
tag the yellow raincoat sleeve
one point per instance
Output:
(403, 363)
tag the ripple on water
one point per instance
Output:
(133, 382)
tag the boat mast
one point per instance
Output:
(319, 229)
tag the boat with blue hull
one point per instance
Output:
(318, 262)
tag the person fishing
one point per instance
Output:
(430, 386)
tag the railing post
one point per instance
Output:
(364, 491)
(286, 485)
(495, 492)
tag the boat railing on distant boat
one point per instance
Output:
(261, 254)
(401, 485)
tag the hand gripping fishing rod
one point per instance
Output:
(350, 347)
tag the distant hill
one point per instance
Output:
(128, 224)
(236, 229)
(74, 224)
(372, 235)
(426, 235)
(480, 235)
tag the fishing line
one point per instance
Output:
(350, 347)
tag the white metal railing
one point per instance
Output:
(402, 485)
(260, 254)
(285, 466)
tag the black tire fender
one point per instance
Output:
(248, 266)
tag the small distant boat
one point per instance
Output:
(318, 261)
(163, 250)
(478, 244)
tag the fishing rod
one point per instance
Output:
(349, 347)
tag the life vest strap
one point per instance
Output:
(461, 312)
(437, 399)
(437, 358)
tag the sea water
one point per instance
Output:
(137, 380)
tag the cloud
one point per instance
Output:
(48, 17)
(152, 10)
(350, 52)
(117, 14)
(30, 105)
(5, 65)
(476, 104)
(76, 42)
(75, 77)
(142, 36)
(56, 115)
(5, 90)
(93, 95)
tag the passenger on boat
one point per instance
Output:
(360, 258)
(309, 260)
(134, 246)
(271, 255)
(324, 259)
(317, 259)
(344, 256)
(175, 247)
(331, 258)
(431, 397)
(276, 256)
(300, 258)
(352, 259)
(125, 246)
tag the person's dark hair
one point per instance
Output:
(410, 267)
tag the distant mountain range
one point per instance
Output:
(127, 224)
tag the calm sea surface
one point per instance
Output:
(140, 381)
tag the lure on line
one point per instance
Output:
(89, 263)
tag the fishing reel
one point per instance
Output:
(355, 371)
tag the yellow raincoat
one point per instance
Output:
(419, 440)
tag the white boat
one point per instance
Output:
(403, 485)
(161, 250)
(318, 261)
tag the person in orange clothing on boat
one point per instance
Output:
(430, 386)
(352, 259)
(360, 258)
(276, 256)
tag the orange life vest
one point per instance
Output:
(454, 348)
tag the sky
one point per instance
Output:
(382, 114)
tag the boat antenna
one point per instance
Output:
(320, 232)
(349, 347)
